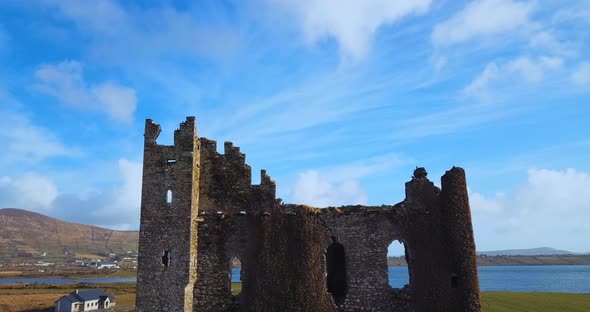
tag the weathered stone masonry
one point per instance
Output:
(294, 257)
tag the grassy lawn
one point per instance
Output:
(537, 302)
(32, 297)
(236, 288)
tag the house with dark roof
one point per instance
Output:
(85, 300)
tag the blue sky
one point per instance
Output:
(338, 100)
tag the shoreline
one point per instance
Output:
(15, 274)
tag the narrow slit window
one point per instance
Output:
(169, 197)
(171, 161)
(235, 266)
(166, 259)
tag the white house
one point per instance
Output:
(108, 265)
(85, 300)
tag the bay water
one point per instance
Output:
(550, 278)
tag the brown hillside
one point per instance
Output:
(25, 235)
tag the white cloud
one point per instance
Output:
(490, 73)
(448, 120)
(352, 23)
(339, 185)
(128, 196)
(25, 142)
(29, 190)
(315, 190)
(554, 191)
(65, 81)
(581, 74)
(483, 18)
(118, 206)
(544, 211)
(118, 101)
(480, 203)
(547, 42)
(531, 70)
(525, 68)
(101, 16)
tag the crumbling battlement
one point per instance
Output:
(199, 211)
(228, 173)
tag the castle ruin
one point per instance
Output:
(199, 211)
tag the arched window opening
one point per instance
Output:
(336, 271)
(397, 265)
(235, 266)
(169, 197)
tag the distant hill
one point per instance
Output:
(26, 235)
(542, 251)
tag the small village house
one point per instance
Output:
(108, 265)
(85, 300)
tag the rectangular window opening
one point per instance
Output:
(454, 281)
(171, 161)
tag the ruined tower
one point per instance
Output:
(199, 211)
(169, 210)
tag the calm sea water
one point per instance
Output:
(551, 278)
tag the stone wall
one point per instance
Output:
(294, 257)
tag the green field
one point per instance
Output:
(236, 288)
(519, 302)
(41, 296)
(537, 302)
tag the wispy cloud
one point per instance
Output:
(451, 120)
(121, 35)
(481, 18)
(581, 74)
(66, 82)
(578, 11)
(548, 43)
(351, 23)
(26, 143)
(525, 68)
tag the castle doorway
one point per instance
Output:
(336, 271)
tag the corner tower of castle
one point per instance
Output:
(169, 210)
